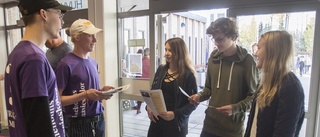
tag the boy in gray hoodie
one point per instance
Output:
(231, 80)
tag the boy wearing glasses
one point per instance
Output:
(32, 98)
(230, 83)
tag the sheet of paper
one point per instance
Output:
(116, 90)
(183, 92)
(154, 100)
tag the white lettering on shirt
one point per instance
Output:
(83, 102)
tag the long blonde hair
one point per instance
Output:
(278, 51)
(181, 56)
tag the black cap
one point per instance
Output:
(28, 7)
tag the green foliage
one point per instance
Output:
(307, 40)
(251, 30)
(248, 34)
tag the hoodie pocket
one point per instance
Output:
(215, 118)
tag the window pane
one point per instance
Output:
(13, 15)
(133, 51)
(133, 5)
(14, 37)
(134, 42)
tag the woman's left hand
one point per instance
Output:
(169, 115)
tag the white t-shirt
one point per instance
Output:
(253, 132)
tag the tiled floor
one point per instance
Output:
(136, 125)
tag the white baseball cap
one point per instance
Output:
(83, 25)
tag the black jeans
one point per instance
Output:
(65, 119)
(165, 128)
(207, 134)
(86, 127)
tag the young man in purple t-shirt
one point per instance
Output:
(32, 98)
(78, 83)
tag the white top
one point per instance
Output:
(253, 132)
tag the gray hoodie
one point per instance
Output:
(230, 81)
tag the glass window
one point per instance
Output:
(133, 5)
(134, 53)
(14, 37)
(13, 15)
(134, 42)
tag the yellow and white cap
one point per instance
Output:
(83, 26)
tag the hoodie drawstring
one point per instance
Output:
(230, 75)
(218, 84)
(219, 75)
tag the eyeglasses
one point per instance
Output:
(57, 12)
(218, 39)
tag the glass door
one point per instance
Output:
(253, 21)
(133, 49)
(190, 26)
(301, 25)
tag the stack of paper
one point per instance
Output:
(154, 100)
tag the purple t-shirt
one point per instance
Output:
(75, 75)
(29, 74)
